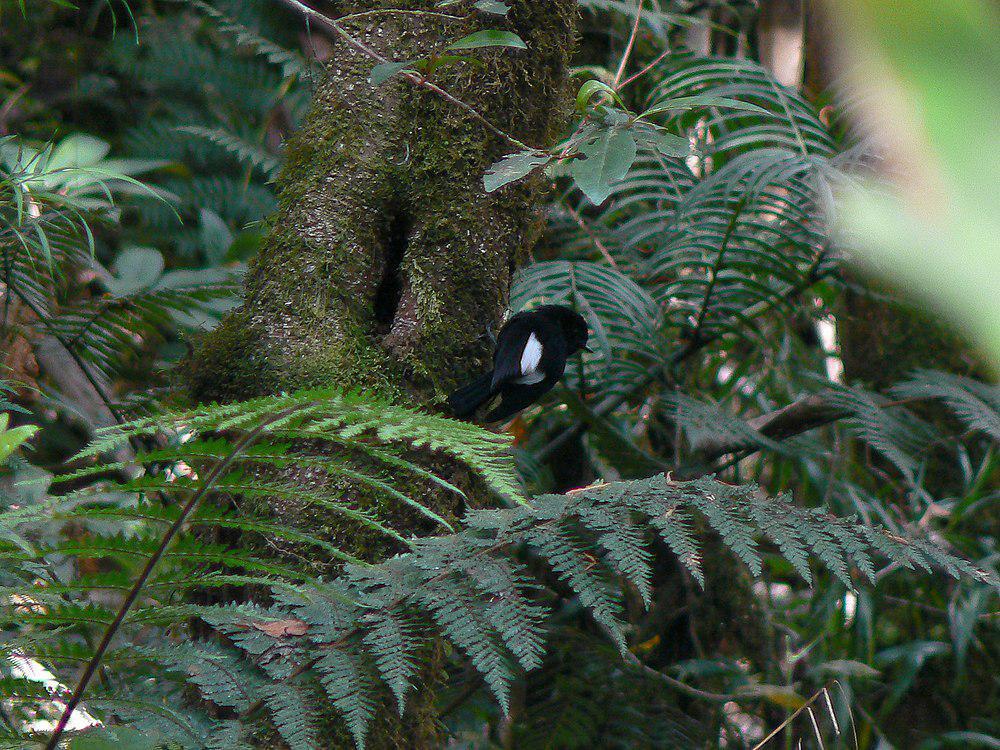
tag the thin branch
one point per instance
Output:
(798, 417)
(675, 684)
(147, 570)
(628, 47)
(417, 80)
(793, 419)
(646, 69)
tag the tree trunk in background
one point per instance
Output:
(386, 260)
(780, 39)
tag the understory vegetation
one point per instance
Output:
(762, 512)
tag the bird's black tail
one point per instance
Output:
(468, 398)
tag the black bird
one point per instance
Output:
(529, 358)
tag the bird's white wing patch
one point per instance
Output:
(531, 355)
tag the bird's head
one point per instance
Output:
(572, 324)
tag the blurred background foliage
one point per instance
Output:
(137, 148)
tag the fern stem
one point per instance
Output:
(647, 68)
(217, 471)
(696, 333)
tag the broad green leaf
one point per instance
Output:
(513, 167)
(115, 738)
(779, 695)
(848, 668)
(659, 140)
(427, 67)
(215, 236)
(135, 268)
(384, 71)
(489, 38)
(78, 150)
(608, 159)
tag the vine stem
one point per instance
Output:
(147, 570)
(415, 79)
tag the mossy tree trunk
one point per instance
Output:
(387, 261)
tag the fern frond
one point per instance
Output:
(899, 435)
(350, 685)
(392, 642)
(360, 636)
(974, 402)
(292, 715)
(290, 63)
(793, 124)
(247, 152)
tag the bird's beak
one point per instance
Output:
(587, 349)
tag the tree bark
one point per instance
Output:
(387, 261)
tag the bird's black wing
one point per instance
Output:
(509, 350)
(514, 399)
(465, 400)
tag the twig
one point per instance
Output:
(675, 684)
(646, 69)
(147, 570)
(804, 707)
(413, 78)
(590, 233)
(628, 47)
